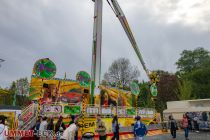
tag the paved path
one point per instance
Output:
(180, 136)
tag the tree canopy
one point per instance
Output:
(16, 94)
(121, 73)
(194, 74)
(191, 60)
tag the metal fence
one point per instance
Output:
(64, 109)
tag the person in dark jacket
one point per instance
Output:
(205, 119)
(189, 121)
(50, 127)
(59, 127)
(172, 126)
(115, 128)
(36, 128)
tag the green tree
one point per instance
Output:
(17, 92)
(194, 74)
(185, 90)
(6, 97)
(191, 60)
(12, 91)
(22, 101)
(144, 98)
(201, 82)
(4, 94)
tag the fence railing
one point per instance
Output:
(57, 109)
(27, 115)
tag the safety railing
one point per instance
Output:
(120, 111)
(26, 116)
(65, 109)
(24, 110)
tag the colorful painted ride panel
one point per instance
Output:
(44, 68)
(60, 109)
(72, 110)
(56, 90)
(114, 97)
(52, 109)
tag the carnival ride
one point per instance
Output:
(97, 38)
(55, 97)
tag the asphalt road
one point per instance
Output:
(180, 136)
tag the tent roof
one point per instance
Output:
(189, 109)
(197, 100)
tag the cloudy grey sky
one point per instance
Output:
(62, 31)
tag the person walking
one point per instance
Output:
(43, 128)
(73, 120)
(3, 128)
(140, 129)
(189, 118)
(185, 125)
(115, 128)
(205, 119)
(196, 125)
(101, 128)
(36, 128)
(172, 126)
(50, 128)
(59, 128)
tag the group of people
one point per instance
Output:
(71, 132)
(197, 120)
(45, 124)
(139, 130)
(186, 124)
(62, 132)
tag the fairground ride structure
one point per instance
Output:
(97, 39)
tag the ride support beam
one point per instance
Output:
(96, 49)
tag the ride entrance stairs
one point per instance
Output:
(27, 118)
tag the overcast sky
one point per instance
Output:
(62, 31)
